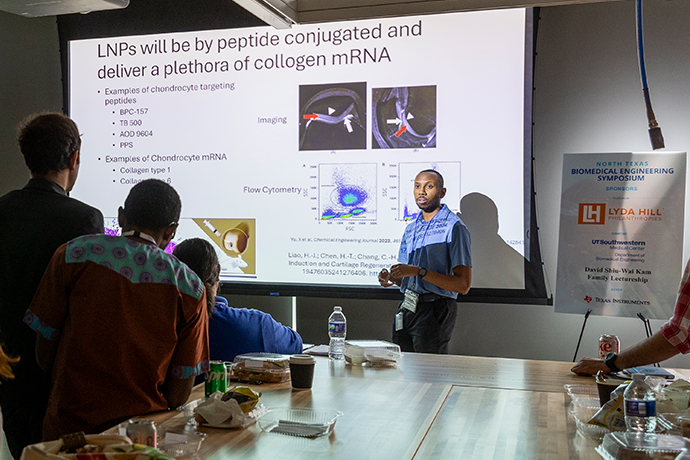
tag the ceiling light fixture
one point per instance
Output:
(269, 13)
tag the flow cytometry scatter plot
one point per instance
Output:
(450, 170)
(347, 191)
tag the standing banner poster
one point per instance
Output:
(620, 248)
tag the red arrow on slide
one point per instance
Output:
(400, 131)
(310, 116)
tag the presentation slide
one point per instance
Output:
(295, 151)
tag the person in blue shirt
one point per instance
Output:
(233, 331)
(435, 264)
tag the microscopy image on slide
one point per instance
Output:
(403, 117)
(112, 227)
(332, 117)
(347, 191)
(236, 240)
(450, 170)
(232, 239)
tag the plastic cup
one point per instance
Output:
(302, 371)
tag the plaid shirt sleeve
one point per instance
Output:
(677, 329)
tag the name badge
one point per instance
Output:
(411, 299)
(398, 321)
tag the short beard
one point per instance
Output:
(430, 206)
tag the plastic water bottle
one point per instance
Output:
(640, 406)
(337, 328)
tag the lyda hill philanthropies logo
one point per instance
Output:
(592, 214)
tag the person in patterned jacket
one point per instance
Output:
(121, 324)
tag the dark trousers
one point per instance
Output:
(429, 328)
(23, 401)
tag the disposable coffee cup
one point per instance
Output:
(605, 388)
(302, 371)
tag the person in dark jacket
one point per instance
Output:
(34, 222)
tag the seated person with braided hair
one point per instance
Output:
(233, 331)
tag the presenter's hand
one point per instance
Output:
(399, 271)
(590, 366)
(385, 278)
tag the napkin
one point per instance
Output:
(217, 412)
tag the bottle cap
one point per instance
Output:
(337, 308)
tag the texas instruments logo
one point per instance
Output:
(592, 214)
(588, 299)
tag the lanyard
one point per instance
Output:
(143, 236)
(421, 245)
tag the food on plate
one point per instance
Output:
(262, 367)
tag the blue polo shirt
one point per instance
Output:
(234, 331)
(439, 245)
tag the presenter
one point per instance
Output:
(435, 265)
(34, 222)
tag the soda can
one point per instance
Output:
(608, 344)
(142, 431)
(216, 379)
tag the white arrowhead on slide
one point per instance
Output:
(409, 116)
(331, 110)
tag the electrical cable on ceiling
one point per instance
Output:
(654, 129)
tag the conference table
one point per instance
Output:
(429, 406)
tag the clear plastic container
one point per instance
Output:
(588, 430)
(299, 422)
(188, 412)
(669, 424)
(674, 423)
(626, 445)
(583, 395)
(372, 353)
(262, 367)
(180, 444)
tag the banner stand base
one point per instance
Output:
(581, 332)
(647, 329)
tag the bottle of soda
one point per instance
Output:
(337, 328)
(640, 406)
